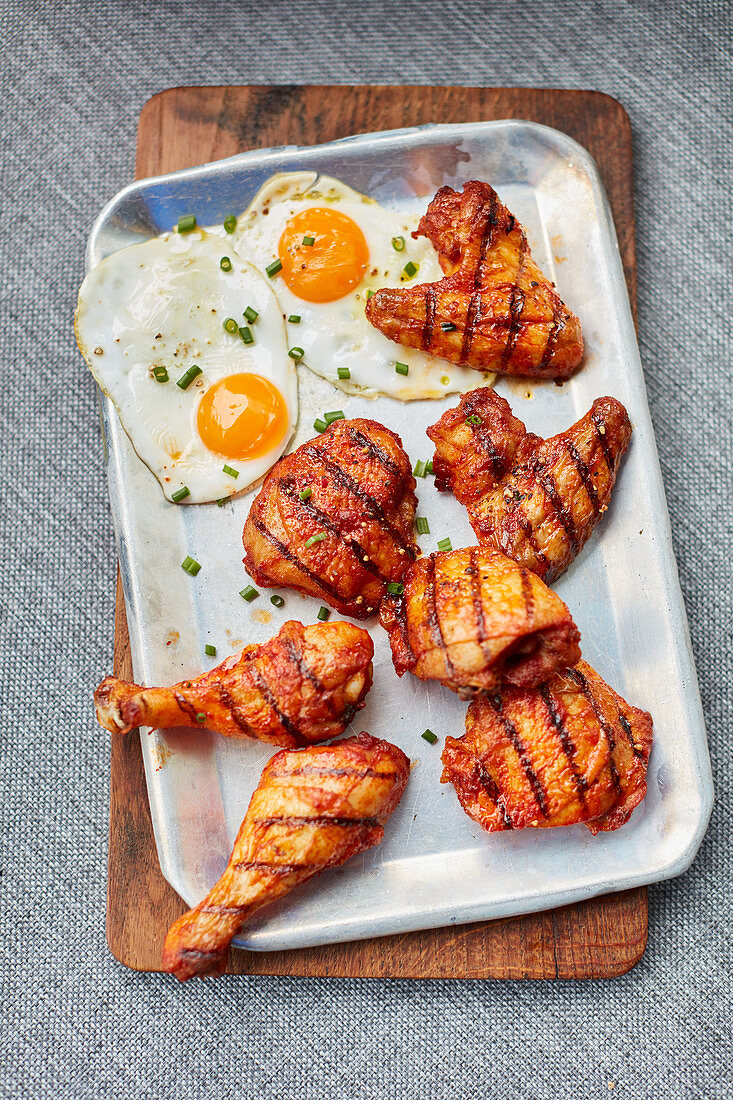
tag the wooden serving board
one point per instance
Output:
(183, 127)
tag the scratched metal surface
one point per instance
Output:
(435, 866)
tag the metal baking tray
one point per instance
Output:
(436, 866)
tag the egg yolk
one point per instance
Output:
(329, 267)
(242, 416)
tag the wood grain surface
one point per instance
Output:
(602, 937)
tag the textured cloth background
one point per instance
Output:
(73, 78)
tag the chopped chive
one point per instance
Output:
(447, 326)
(190, 565)
(296, 354)
(225, 263)
(445, 544)
(186, 379)
(249, 593)
(410, 269)
(230, 223)
(422, 525)
(294, 319)
(370, 294)
(221, 502)
(419, 468)
(319, 537)
(160, 374)
(210, 650)
(250, 314)
(343, 373)
(274, 267)
(277, 601)
(474, 420)
(230, 470)
(246, 333)
(337, 415)
(309, 241)
(429, 736)
(186, 223)
(398, 243)
(320, 425)
(395, 588)
(429, 466)
(402, 368)
(201, 717)
(231, 326)
(305, 494)
(181, 494)
(323, 613)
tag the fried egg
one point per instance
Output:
(325, 249)
(207, 409)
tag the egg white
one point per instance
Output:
(337, 334)
(164, 303)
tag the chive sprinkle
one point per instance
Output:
(225, 263)
(344, 373)
(429, 736)
(419, 468)
(402, 368)
(249, 593)
(160, 374)
(186, 223)
(447, 326)
(337, 415)
(246, 333)
(210, 650)
(277, 601)
(221, 502)
(186, 379)
(274, 268)
(320, 425)
(429, 466)
(201, 717)
(395, 588)
(250, 314)
(410, 269)
(319, 537)
(230, 223)
(305, 494)
(294, 319)
(323, 613)
(474, 420)
(309, 241)
(370, 294)
(445, 544)
(230, 470)
(398, 243)
(190, 565)
(422, 525)
(296, 354)
(181, 494)
(231, 326)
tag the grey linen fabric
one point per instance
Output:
(73, 78)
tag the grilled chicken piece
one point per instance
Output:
(334, 519)
(494, 310)
(569, 751)
(473, 619)
(305, 684)
(537, 500)
(313, 809)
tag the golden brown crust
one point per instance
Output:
(473, 619)
(360, 511)
(494, 310)
(569, 751)
(305, 684)
(540, 503)
(313, 808)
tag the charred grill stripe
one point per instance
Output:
(482, 437)
(526, 524)
(474, 304)
(528, 596)
(287, 553)
(266, 692)
(566, 741)
(600, 426)
(512, 734)
(323, 770)
(626, 727)
(478, 605)
(492, 790)
(472, 315)
(287, 487)
(187, 708)
(549, 486)
(296, 657)
(273, 868)
(375, 452)
(583, 473)
(234, 711)
(516, 305)
(427, 332)
(578, 678)
(323, 819)
(432, 613)
(211, 908)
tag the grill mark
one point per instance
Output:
(474, 304)
(400, 618)
(323, 770)
(528, 596)
(578, 678)
(273, 868)
(478, 606)
(626, 727)
(296, 657)
(492, 790)
(512, 734)
(211, 908)
(376, 452)
(554, 329)
(598, 423)
(549, 486)
(287, 553)
(323, 819)
(516, 304)
(566, 741)
(359, 552)
(234, 711)
(584, 474)
(432, 613)
(427, 332)
(483, 438)
(526, 524)
(195, 953)
(266, 692)
(186, 707)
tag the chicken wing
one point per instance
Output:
(569, 751)
(305, 684)
(314, 808)
(537, 500)
(334, 519)
(494, 310)
(473, 619)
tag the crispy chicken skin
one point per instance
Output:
(494, 310)
(473, 619)
(537, 500)
(569, 751)
(357, 516)
(314, 808)
(305, 684)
